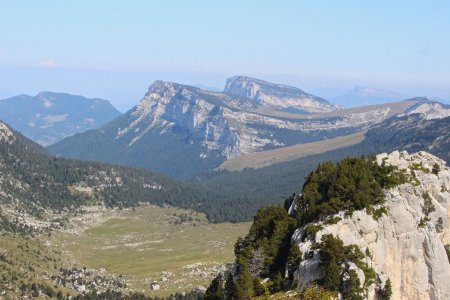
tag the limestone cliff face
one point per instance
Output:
(430, 110)
(169, 104)
(408, 244)
(227, 123)
(277, 96)
(5, 133)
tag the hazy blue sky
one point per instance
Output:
(115, 49)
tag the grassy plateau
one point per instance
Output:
(177, 248)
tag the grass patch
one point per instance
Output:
(144, 243)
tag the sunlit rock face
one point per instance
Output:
(277, 96)
(407, 245)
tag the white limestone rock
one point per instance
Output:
(413, 257)
(430, 110)
(276, 96)
(6, 134)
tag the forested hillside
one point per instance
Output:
(223, 196)
(272, 184)
(31, 180)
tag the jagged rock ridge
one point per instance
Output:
(407, 245)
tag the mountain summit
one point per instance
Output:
(277, 96)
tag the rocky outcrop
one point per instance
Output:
(408, 244)
(430, 110)
(5, 134)
(169, 104)
(277, 96)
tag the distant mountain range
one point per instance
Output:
(183, 131)
(362, 96)
(49, 117)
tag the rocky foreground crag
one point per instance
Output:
(364, 228)
(407, 245)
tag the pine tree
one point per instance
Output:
(388, 290)
(229, 287)
(258, 288)
(215, 291)
(436, 169)
(277, 284)
(331, 280)
(352, 287)
(293, 260)
(244, 285)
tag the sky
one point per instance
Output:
(116, 49)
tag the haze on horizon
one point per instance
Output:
(115, 50)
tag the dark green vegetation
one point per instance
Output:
(387, 293)
(62, 184)
(264, 252)
(267, 251)
(236, 196)
(216, 290)
(428, 207)
(168, 152)
(352, 184)
(412, 133)
(267, 246)
(49, 117)
(447, 249)
(334, 254)
(251, 189)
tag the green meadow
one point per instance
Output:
(177, 248)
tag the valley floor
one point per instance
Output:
(176, 248)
